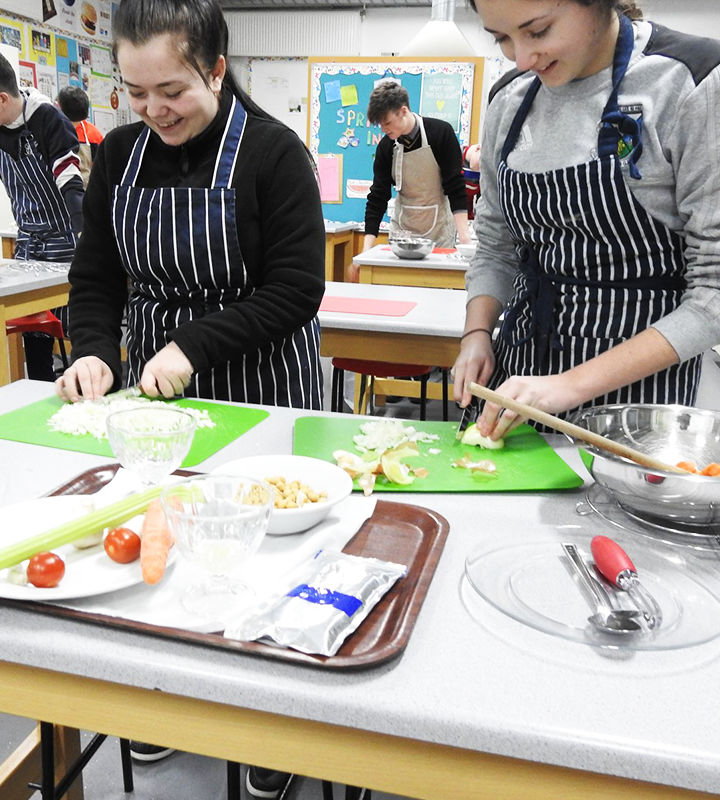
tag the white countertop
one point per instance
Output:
(470, 676)
(439, 312)
(382, 256)
(20, 276)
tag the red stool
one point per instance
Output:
(43, 322)
(375, 369)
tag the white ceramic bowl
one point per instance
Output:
(466, 250)
(319, 475)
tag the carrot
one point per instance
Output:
(712, 470)
(157, 539)
(688, 465)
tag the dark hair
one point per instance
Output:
(200, 28)
(627, 7)
(74, 103)
(385, 99)
(8, 79)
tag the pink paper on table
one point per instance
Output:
(366, 305)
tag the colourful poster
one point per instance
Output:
(440, 97)
(42, 47)
(28, 79)
(101, 62)
(68, 68)
(13, 33)
(349, 95)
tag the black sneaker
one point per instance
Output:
(141, 751)
(266, 783)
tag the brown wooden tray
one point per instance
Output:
(398, 532)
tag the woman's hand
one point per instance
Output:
(167, 373)
(550, 393)
(89, 378)
(475, 364)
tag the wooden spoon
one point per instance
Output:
(573, 430)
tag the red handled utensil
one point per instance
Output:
(617, 566)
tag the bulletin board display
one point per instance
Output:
(51, 58)
(342, 141)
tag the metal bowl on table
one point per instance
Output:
(411, 246)
(671, 433)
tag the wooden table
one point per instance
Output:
(24, 293)
(380, 265)
(339, 248)
(8, 238)
(428, 334)
(478, 707)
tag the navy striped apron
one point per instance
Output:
(44, 226)
(181, 250)
(595, 268)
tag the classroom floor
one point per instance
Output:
(185, 776)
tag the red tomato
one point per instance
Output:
(45, 570)
(122, 545)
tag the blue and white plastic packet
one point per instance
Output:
(329, 597)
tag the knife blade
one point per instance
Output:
(617, 566)
(131, 391)
(469, 415)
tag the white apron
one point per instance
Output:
(421, 206)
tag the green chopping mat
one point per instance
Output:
(30, 425)
(526, 462)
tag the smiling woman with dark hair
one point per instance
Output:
(598, 224)
(210, 208)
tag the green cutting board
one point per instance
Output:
(526, 463)
(30, 425)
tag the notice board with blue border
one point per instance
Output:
(340, 137)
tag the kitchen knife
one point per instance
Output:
(131, 391)
(617, 566)
(469, 415)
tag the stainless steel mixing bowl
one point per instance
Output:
(671, 433)
(411, 246)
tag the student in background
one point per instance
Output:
(421, 158)
(74, 103)
(39, 168)
(471, 176)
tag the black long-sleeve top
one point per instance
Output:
(280, 229)
(446, 149)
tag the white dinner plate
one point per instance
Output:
(87, 572)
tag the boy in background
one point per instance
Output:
(74, 103)
(39, 168)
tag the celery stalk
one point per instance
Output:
(108, 517)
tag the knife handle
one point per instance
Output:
(610, 558)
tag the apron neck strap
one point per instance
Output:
(614, 124)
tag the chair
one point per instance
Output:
(42, 322)
(371, 370)
(381, 369)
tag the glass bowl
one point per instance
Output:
(218, 522)
(151, 442)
